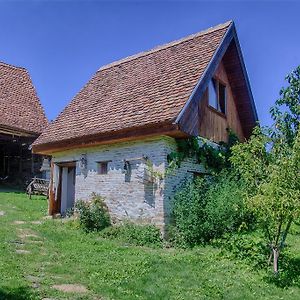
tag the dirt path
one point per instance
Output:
(27, 236)
(34, 255)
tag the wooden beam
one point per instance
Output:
(132, 134)
(16, 131)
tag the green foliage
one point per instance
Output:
(271, 173)
(208, 208)
(269, 164)
(156, 176)
(93, 215)
(214, 158)
(188, 213)
(251, 248)
(279, 195)
(251, 160)
(225, 208)
(286, 112)
(139, 235)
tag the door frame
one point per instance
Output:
(55, 204)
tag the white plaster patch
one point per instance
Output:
(22, 251)
(19, 222)
(70, 288)
(36, 222)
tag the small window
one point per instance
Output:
(217, 95)
(213, 93)
(102, 167)
(222, 98)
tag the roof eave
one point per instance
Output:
(134, 133)
(245, 73)
(209, 71)
(16, 131)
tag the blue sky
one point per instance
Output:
(63, 43)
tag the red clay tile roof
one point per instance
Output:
(145, 89)
(20, 107)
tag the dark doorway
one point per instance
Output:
(17, 164)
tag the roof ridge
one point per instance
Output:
(166, 45)
(11, 66)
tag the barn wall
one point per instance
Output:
(17, 164)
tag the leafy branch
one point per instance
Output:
(214, 157)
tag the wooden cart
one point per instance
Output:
(38, 186)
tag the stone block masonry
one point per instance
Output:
(130, 195)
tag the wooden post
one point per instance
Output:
(51, 201)
(32, 164)
(4, 165)
(20, 160)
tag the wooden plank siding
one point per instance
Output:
(195, 119)
(188, 118)
(235, 68)
(213, 124)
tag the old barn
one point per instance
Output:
(22, 120)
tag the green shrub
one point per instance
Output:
(139, 235)
(225, 209)
(189, 213)
(208, 208)
(93, 215)
(246, 246)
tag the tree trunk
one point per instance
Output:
(285, 233)
(275, 260)
(270, 258)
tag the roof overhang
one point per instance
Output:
(14, 131)
(131, 134)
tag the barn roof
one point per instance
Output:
(146, 90)
(20, 107)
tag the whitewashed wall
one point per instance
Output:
(131, 199)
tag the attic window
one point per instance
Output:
(102, 167)
(217, 95)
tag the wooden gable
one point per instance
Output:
(212, 123)
(199, 119)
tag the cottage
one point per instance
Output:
(114, 137)
(22, 119)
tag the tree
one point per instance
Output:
(269, 164)
(273, 186)
(286, 111)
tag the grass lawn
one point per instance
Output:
(35, 256)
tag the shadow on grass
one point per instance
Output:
(289, 273)
(15, 191)
(11, 189)
(21, 293)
